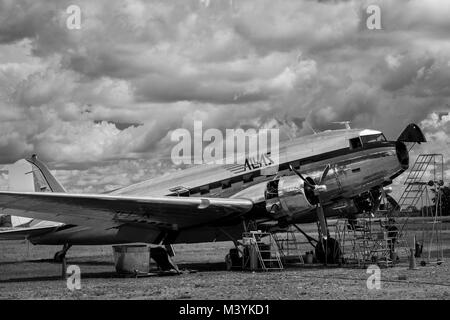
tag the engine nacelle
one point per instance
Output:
(287, 196)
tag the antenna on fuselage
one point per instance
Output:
(309, 126)
(307, 123)
(346, 123)
(283, 125)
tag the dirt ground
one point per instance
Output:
(22, 278)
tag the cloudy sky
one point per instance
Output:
(99, 103)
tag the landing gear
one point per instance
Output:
(328, 251)
(60, 255)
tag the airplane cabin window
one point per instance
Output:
(373, 138)
(355, 143)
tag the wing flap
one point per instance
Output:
(108, 210)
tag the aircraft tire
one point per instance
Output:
(59, 256)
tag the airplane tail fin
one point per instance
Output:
(31, 175)
(412, 133)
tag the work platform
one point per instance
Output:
(266, 251)
(261, 252)
(369, 240)
(421, 206)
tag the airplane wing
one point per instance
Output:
(110, 211)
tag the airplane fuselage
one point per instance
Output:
(359, 160)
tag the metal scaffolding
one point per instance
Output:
(289, 246)
(422, 194)
(428, 169)
(428, 234)
(369, 241)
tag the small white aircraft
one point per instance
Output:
(332, 173)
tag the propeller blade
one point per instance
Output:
(301, 177)
(377, 203)
(322, 221)
(393, 202)
(324, 174)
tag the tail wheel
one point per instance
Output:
(59, 256)
(328, 251)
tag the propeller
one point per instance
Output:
(312, 186)
(318, 189)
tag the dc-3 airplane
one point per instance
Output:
(328, 174)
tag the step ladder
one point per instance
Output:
(418, 178)
(268, 253)
(289, 246)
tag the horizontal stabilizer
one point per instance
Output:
(24, 233)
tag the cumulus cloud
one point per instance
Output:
(71, 95)
(437, 132)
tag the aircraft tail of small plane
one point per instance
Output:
(31, 175)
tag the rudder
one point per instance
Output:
(30, 175)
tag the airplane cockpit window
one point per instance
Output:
(372, 138)
(355, 143)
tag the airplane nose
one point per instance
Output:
(402, 154)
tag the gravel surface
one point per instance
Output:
(40, 279)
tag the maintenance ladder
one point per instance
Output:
(416, 180)
(268, 253)
(426, 175)
(289, 246)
